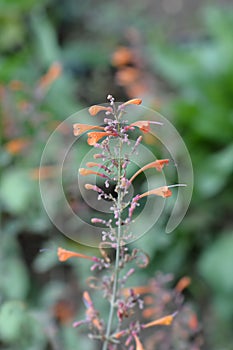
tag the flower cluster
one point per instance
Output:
(111, 165)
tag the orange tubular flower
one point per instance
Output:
(16, 146)
(92, 164)
(163, 191)
(144, 125)
(53, 73)
(85, 172)
(81, 128)
(122, 56)
(158, 165)
(64, 255)
(94, 137)
(183, 283)
(91, 313)
(139, 345)
(93, 110)
(120, 334)
(164, 321)
(134, 101)
(160, 191)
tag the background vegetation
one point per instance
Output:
(58, 57)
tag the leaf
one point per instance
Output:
(215, 172)
(19, 327)
(14, 278)
(12, 317)
(17, 190)
(215, 264)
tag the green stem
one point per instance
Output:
(116, 266)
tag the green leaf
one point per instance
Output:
(215, 264)
(14, 278)
(17, 190)
(19, 327)
(215, 172)
(12, 317)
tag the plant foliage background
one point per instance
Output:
(176, 56)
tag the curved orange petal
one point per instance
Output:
(193, 322)
(119, 334)
(93, 110)
(94, 137)
(64, 255)
(87, 299)
(133, 101)
(122, 56)
(85, 172)
(163, 321)
(143, 125)
(78, 129)
(183, 283)
(15, 146)
(52, 74)
(158, 165)
(92, 164)
(139, 345)
(163, 191)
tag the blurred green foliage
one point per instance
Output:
(201, 75)
(198, 98)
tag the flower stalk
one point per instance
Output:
(112, 167)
